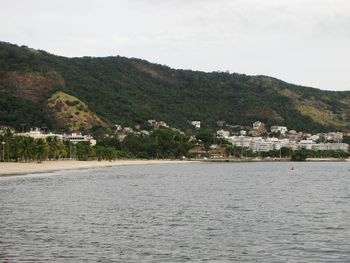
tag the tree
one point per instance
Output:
(27, 148)
(41, 150)
(54, 146)
(62, 150)
(299, 155)
(83, 151)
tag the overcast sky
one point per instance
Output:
(305, 42)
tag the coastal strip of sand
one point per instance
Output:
(51, 166)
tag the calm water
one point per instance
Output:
(261, 212)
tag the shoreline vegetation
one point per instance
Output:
(23, 154)
(158, 144)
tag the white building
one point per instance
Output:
(243, 132)
(36, 133)
(314, 137)
(334, 136)
(157, 124)
(196, 124)
(152, 123)
(5, 129)
(78, 137)
(126, 130)
(241, 141)
(306, 144)
(223, 134)
(163, 124)
(281, 129)
(331, 146)
(260, 145)
(118, 127)
(257, 125)
(338, 146)
(275, 143)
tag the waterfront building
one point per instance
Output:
(306, 144)
(331, 146)
(78, 137)
(241, 141)
(36, 133)
(276, 144)
(260, 145)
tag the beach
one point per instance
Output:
(12, 168)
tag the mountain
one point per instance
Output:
(41, 89)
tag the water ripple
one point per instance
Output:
(257, 212)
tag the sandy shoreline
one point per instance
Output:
(7, 169)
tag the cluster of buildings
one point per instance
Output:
(157, 124)
(37, 133)
(121, 132)
(257, 139)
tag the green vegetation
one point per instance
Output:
(128, 91)
(27, 149)
(286, 153)
(301, 155)
(160, 144)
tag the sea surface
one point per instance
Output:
(200, 212)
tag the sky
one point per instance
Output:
(305, 42)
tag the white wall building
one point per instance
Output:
(331, 146)
(275, 143)
(241, 141)
(314, 137)
(36, 133)
(78, 137)
(306, 144)
(243, 132)
(223, 134)
(334, 136)
(282, 129)
(260, 145)
(257, 125)
(196, 124)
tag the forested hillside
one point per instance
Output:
(126, 91)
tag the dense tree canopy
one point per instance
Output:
(128, 91)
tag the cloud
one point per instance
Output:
(301, 41)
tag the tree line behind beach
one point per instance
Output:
(161, 144)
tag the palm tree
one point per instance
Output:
(27, 148)
(41, 150)
(53, 143)
(62, 150)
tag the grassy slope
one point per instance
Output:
(72, 112)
